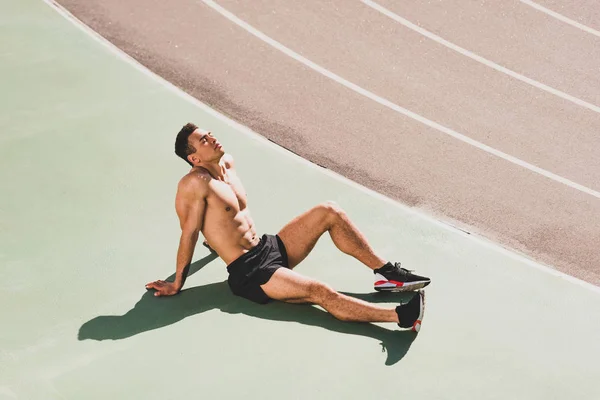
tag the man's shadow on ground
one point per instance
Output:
(152, 312)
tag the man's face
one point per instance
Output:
(208, 148)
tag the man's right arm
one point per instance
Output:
(190, 205)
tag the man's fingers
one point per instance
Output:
(155, 285)
(162, 288)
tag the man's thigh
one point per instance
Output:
(289, 286)
(302, 233)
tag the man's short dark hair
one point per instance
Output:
(182, 147)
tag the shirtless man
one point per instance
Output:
(211, 199)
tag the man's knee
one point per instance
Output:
(321, 293)
(332, 210)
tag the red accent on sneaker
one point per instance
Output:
(398, 284)
(414, 327)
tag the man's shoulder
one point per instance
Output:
(195, 181)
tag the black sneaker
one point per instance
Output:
(411, 314)
(393, 278)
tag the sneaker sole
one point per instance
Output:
(400, 286)
(417, 324)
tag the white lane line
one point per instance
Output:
(273, 146)
(396, 107)
(561, 17)
(480, 59)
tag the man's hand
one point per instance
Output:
(163, 288)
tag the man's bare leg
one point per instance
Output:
(301, 234)
(289, 286)
(205, 244)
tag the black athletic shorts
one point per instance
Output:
(256, 267)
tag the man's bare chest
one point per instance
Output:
(229, 194)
